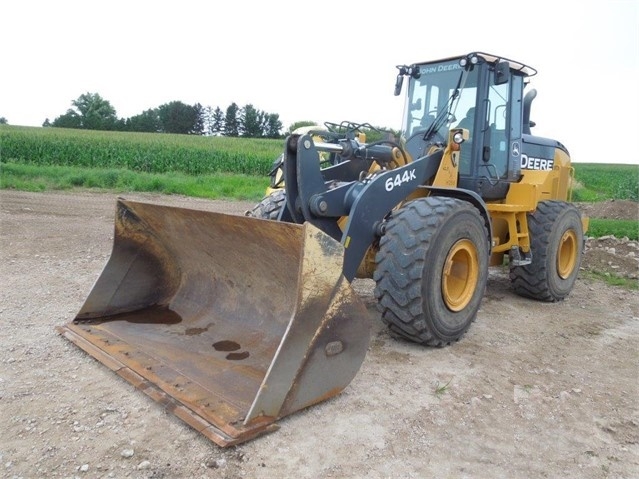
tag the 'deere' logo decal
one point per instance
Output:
(532, 163)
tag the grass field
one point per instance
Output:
(27, 177)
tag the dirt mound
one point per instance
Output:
(612, 209)
(612, 257)
(609, 255)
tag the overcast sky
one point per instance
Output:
(321, 61)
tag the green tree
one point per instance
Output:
(70, 119)
(90, 111)
(120, 124)
(147, 121)
(3, 121)
(200, 120)
(256, 123)
(231, 120)
(273, 126)
(178, 117)
(217, 122)
(207, 119)
(250, 122)
(95, 112)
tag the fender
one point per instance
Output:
(375, 200)
(471, 197)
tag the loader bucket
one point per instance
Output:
(227, 321)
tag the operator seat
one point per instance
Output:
(426, 121)
(466, 150)
(468, 121)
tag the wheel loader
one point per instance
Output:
(233, 322)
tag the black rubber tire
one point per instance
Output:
(269, 207)
(556, 244)
(419, 242)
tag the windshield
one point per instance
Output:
(430, 98)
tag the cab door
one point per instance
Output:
(497, 127)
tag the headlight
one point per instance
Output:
(458, 137)
(472, 59)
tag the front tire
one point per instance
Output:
(556, 244)
(432, 269)
(269, 207)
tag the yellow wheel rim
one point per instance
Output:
(567, 254)
(460, 275)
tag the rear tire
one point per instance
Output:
(556, 244)
(270, 206)
(432, 269)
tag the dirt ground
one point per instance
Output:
(532, 390)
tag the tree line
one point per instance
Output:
(92, 112)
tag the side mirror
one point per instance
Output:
(398, 84)
(502, 72)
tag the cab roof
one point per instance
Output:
(490, 58)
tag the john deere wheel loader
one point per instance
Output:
(233, 322)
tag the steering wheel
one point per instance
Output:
(418, 136)
(432, 115)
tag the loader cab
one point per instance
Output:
(481, 93)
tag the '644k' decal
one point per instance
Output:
(399, 178)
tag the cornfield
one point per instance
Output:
(141, 152)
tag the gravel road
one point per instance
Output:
(533, 390)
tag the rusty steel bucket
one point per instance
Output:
(229, 322)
